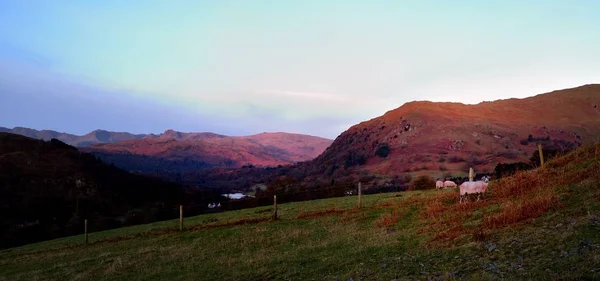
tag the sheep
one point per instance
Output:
(449, 184)
(473, 187)
(439, 184)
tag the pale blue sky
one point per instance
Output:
(244, 67)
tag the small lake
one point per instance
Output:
(234, 195)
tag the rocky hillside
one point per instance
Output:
(438, 138)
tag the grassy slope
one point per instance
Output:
(541, 224)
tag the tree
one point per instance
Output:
(383, 150)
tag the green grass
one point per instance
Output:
(394, 236)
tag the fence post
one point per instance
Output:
(180, 217)
(541, 155)
(359, 195)
(274, 207)
(85, 230)
(471, 174)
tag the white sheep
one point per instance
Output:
(449, 184)
(439, 184)
(473, 187)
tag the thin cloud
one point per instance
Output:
(306, 95)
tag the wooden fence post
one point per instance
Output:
(359, 195)
(85, 230)
(541, 155)
(180, 217)
(274, 207)
(471, 174)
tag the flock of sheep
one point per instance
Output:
(469, 187)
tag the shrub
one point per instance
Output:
(422, 183)
(443, 167)
(456, 159)
(383, 150)
(551, 152)
(353, 159)
(503, 170)
(508, 154)
(524, 142)
(442, 160)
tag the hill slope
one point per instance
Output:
(541, 224)
(177, 150)
(47, 187)
(438, 137)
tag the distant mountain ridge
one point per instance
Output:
(174, 152)
(103, 136)
(202, 150)
(94, 137)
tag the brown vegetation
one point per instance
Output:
(514, 212)
(524, 196)
(387, 220)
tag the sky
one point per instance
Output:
(246, 67)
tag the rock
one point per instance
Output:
(383, 265)
(572, 221)
(491, 247)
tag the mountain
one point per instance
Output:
(437, 137)
(200, 150)
(203, 150)
(97, 136)
(443, 139)
(47, 188)
(172, 134)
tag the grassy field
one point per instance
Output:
(542, 224)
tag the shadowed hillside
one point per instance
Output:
(47, 188)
